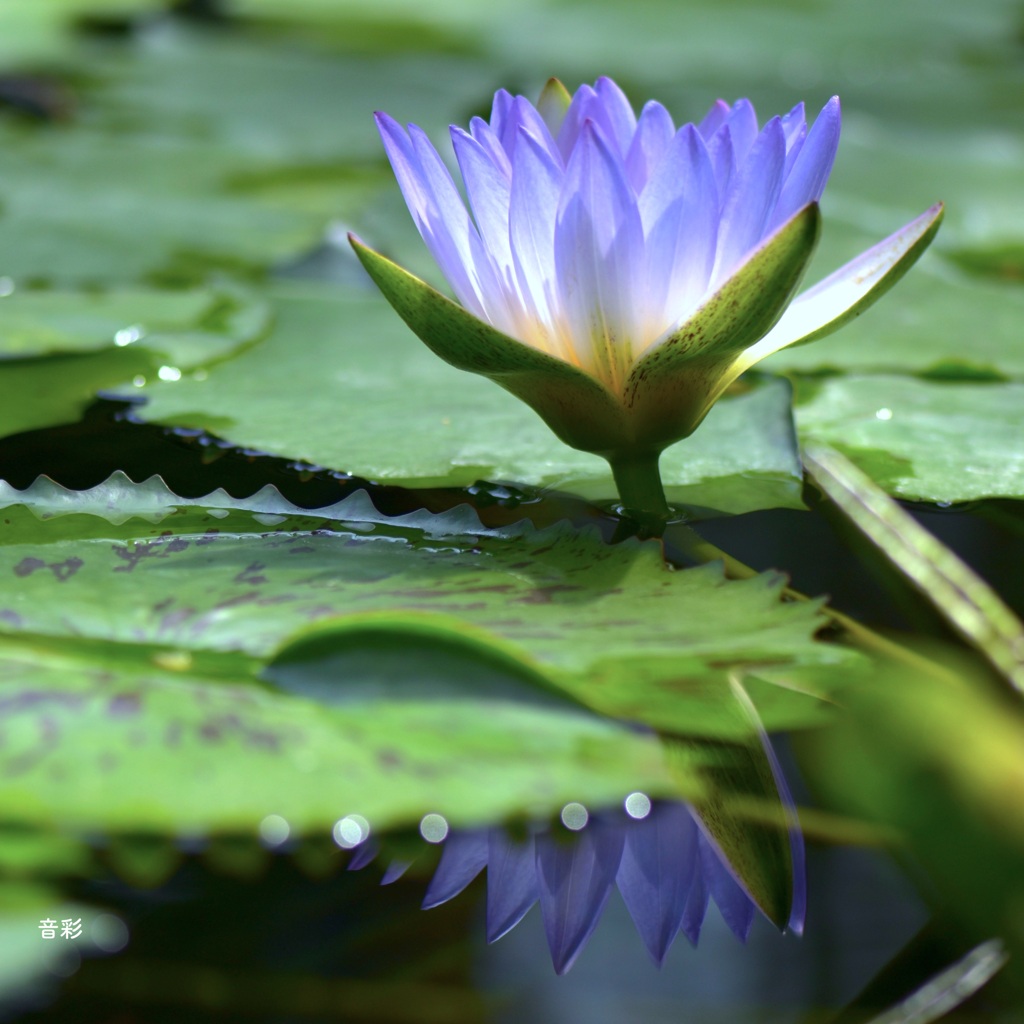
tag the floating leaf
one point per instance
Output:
(217, 580)
(923, 440)
(113, 737)
(155, 179)
(102, 338)
(39, 323)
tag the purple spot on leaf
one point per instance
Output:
(124, 704)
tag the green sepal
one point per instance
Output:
(892, 276)
(580, 410)
(671, 389)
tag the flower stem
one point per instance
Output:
(639, 483)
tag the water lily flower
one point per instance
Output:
(617, 273)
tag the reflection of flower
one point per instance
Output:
(663, 864)
(618, 274)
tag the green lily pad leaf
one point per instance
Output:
(104, 338)
(154, 180)
(923, 440)
(142, 713)
(34, 34)
(880, 58)
(685, 697)
(886, 166)
(46, 392)
(407, 656)
(74, 203)
(236, 582)
(571, 609)
(115, 737)
(192, 326)
(377, 403)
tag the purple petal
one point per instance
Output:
(576, 880)
(618, 121)
(794, 127)
(599, 257)
(714, 118)
(581, 108)
(736, 906)
(806, 181)
(488, 189)
(679, 211)
(533, 206)
(436, 208)
(464, 252)
(656, 873)
(362, 855)
(751, 201)
(511, 882)
(696, 906)
(463, 857)
(525, 117)
(654, 131)
(742, 124)
(394, 871)
(723, 160)
(500, 108)
(484, 134)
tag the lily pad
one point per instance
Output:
(603, 624)
(216, 580)
(100, 339)
(923, 440)
(153, 180)
(38, 323)
(99, 738)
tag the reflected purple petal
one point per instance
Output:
(656, 875)
(511, 882)
(576, 879)
(463, 857)
(664, 865)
